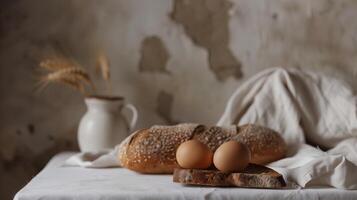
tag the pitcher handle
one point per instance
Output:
(134, 118)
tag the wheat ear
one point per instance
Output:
(73, 84)
(73, 77)
(56, 63)
(104, 67)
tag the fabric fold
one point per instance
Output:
(303, 107)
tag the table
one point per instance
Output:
(56, 181)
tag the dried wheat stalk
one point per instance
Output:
(103, 66)
(56, 63)
(62, 70)
(74, 84)
(65, 71)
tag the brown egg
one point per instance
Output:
(193, 154)
(231, 156)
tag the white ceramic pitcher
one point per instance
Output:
(103, 125)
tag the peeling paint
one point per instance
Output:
(206, 23)
(164, 106)
(50, 137)
(154, 55)
(31, 129)
(18, 132)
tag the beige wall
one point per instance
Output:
(175, 60)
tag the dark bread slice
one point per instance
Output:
(254, 176)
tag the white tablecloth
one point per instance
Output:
(57, 182)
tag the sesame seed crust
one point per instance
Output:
(154, 150)
(266, 145)
(214, 136)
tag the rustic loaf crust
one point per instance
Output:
(153, 150)
(264, 144)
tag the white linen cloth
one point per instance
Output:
(100, 159)
(56, 182)
(303, 107)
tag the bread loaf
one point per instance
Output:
(265, 144)
(153, 150)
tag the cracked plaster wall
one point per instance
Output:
(175, 60)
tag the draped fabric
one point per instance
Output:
(311, 112)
